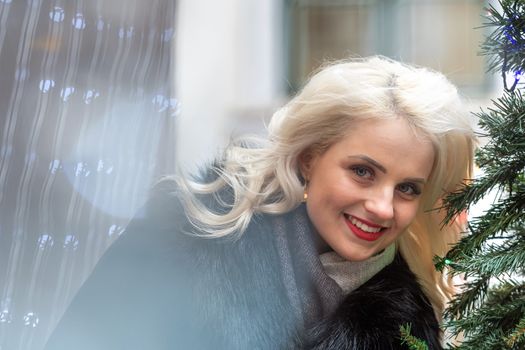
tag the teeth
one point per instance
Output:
(364, 226)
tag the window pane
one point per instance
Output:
(87, 109)
(442, 34)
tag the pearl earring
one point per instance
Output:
(305, 191)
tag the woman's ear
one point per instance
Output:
(306, 162)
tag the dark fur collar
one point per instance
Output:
(370, 317)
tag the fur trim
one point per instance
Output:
(371, 316)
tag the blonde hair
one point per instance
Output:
(265, 177)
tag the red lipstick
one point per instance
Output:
(367, 236)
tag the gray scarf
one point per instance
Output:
(315, 290)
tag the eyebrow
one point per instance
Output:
(383, 169)
(371, 161)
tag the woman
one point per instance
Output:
(321, 237)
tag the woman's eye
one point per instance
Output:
(363, 172)
(409, 189)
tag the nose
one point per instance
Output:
(380, 204)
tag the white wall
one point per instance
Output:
(228, 66)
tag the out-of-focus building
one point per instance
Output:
(234, 69)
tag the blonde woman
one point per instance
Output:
(319, 237)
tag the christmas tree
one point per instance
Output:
(489, 311)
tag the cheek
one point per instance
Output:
(331, 192)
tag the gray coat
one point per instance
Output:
(159, 288)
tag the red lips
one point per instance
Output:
(367, 236)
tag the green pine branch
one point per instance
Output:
(496, 260)
(411, 341)
(505, 47)
(488, 340)
(489, 311)
(517, 337)
(502, 158)
(471, 297)
(493, 324)
(496, 223)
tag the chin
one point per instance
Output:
(357, 256)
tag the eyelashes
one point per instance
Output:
(409, 189)
(366, 174)
(363, 171)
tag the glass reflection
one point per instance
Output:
(161, 103)
(90, 96)
(45, 241)
(57, 14)
(78, 146)
(71, 242)
(5, 314)
(79, 22)
(31, 319)
(115, 230)
(54, 166)
(126, 33)
(81, 169)
(175, 107)
(66, 93)
(46, 85)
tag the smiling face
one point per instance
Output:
(365, 190)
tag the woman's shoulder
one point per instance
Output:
(176, 279)
(162, 231)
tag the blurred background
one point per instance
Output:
(98, 99)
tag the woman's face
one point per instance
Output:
(365, 190)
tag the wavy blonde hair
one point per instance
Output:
(265, 177)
